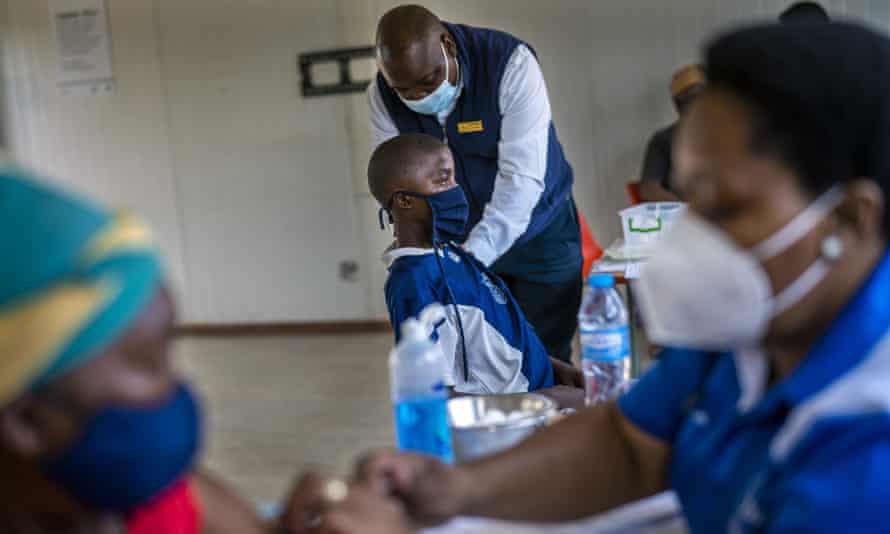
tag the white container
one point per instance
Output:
(644, 223)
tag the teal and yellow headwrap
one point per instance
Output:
(73, 276)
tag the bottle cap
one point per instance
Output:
(412, 329)
(601, 280)
(422, 327)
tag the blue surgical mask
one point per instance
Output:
(450, 210)
(437, 101)
(126, 456)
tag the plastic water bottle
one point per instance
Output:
(605, 339)
(417, 371)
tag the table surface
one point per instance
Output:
(623, 271)
(660, 514)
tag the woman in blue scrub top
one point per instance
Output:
(772, 414)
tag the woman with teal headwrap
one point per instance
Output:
(95, 425)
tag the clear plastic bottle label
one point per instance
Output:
(608, 344)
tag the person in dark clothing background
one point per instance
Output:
(804, 12)
(655, 179)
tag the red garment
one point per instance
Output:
(590, 249)
(175, 511)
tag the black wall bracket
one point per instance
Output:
(341, 56)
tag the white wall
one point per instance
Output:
(114, 147)
(264, 176)
(249, 186)
(257, 193)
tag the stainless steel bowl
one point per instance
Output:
(475, 436)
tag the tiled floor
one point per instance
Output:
(279, 404)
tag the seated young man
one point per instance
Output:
(492, 346)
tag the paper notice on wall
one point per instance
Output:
(83, 45)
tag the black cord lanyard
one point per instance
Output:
(437, 246)
(450, 294)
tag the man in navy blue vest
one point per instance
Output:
(482, 92)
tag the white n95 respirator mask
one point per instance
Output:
(702, 291)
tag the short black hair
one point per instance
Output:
(774, 135)
(394, 160)
(818, 98)
(804, 12)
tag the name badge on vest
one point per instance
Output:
(469, 127)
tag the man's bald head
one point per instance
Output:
(405, 26)
(415, 52)
(399, 164)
